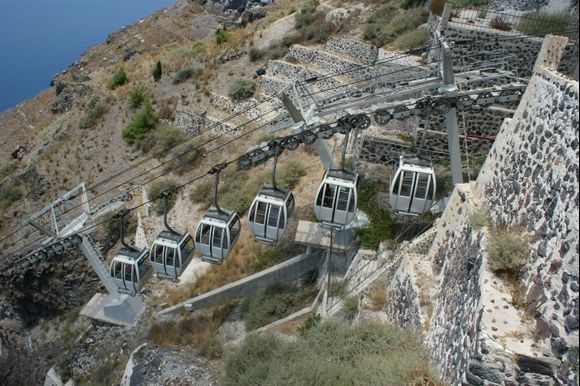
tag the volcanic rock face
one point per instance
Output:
(246, 9)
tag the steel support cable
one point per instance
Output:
(18, 252)
(22, 226)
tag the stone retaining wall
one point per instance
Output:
(353, 48)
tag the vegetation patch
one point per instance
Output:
(543, 23)
(119, 78)
(136, 97)
(241, 90)
(142, 123)
(158, 187)
(412, 39)
(183, 75)
(157, 71)
(222, 35)
(333, 353)
(8, 168)
(499, 23)
(198, 48)
(508, 252)
(389, 22)
(478, 219)
(350, 306)
(381, 226)
(275, 302)
(10, 192)
(311, 24)
(94, 111)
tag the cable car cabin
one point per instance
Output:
(130, 269)
(336, 198)
(412, 187)
(269, 214)
(171, 253)
(216, 234)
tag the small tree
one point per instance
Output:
(157, 72)
(241, 89)
(137, 97)
(143, 121)
(222, 35)
(119, 78)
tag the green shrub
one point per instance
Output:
(111, 224)
(311, 25)
(350, 306)
(499, 23)
(273, 303)
(95, 110)
(310, 323)
(241, 89)
(387, 23)
(289, 173)
(380, 228)
(136, 97)
(478, 219)
(543, 23)
(187, 158)
(8, 168)
(201, 194)
(255, 54)
(166, 139)
(333, 353)
(142, 123)
(212, 348)
(198, 48)
(307, 14)
(10, 192)
(158, 187)
(338, 288)
(119, 78)
(508, 252)
(183, 75)
(222, 35)
(157, 71)
(412, 39)
(406, 4)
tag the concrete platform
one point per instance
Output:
(121, 311)
(312, 234)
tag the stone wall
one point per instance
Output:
(531, 179)
(475, 43)
(478, 332)
(353, 48)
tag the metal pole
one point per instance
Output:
(343, 157)
(328, 256)
(165, 199)
(450, 91)
(215, 191)
(276, 150)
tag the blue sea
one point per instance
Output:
(39, 38)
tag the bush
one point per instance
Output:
(508, 252)
(289, 173)
(222, 35)
(136, 97)
(182, 75)
(242, 89)
(166, 139)
(333, 353)
(310, 323)
(158, 187)
(273, 303)
(478, 219)
(350, 306)
(311, 25)
(188, 157)
(380, 228)
(157, 71)
(212, 348)
(412, 39)
(142, 123)
(10, 192)
(255, 54)
(119, 78)
(387, 23)
(198, 48)
(112, 222)
(8, 168)
(95, 110)
(202, 193)
(378, 297)
(543, 23)
(499, 23)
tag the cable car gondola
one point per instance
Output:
(130, 267)
(412, 186)
(271, 210)
(336, 199)
(218, 230)
(171, 251)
